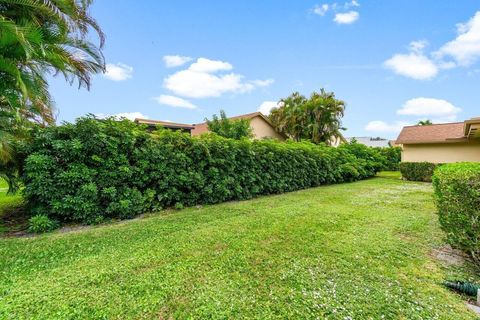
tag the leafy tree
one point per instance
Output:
(37, 38)
(424, 122)
(234, 129)
(317, 118)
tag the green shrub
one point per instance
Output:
(41, 223)
(392, 156)
(381, 159)
(417, 171)
(457, 195)
(100, 169)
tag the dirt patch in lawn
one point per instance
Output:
(13, 221)
(449, 256)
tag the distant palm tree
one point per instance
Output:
(317, 118)
(424, 123)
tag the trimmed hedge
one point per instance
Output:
(457, 195)
(417, 171)
(96, 169)
(392, 157)
(387, 159)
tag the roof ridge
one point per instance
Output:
(434, 124)
(245, 115)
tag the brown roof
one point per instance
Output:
(203, 127)
(165, 124)
(435, 133)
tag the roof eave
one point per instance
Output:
(448, 141)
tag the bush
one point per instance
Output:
(382, 159)
(457, 195)
(417, 171)
(99, 169)
(392, 157)
(41, 223)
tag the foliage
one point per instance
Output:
(41, 223)
(457, 195)
(464, 287)
(115, 169)
(382, 159)
(373, 161)
(317, 118)
(392, 157)
(417, 171)
(234, 129)
(424, 123)
(347, 251)
(40, 38)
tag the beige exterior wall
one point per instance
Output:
(262, 129)
(442, 152)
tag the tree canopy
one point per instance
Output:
(317, 118)
(234, 129)
(38, 38)
(424, 122)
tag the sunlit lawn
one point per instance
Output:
(361, 250)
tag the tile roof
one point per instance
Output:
(435, 133)
(203, 127)
(371, 141)
(166, 124)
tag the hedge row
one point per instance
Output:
(457, 195)
(96, 169)
(417, 171)
(391, 158)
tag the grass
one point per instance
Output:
(9, 203)
(353, 251)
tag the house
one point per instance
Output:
(261, 126)
(441, 143)
(371, 141)
(152, 124)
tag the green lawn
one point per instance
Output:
(7, 203)
(361, 250)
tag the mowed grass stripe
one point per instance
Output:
(360, 250)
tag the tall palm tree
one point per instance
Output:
(317, 119)
(38, 38)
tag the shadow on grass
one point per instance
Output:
(392, 175)
(13, 217)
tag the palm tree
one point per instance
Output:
(37, 38)
(424, 122)
(317, 119)
(40, 37)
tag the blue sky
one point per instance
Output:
(393, 62)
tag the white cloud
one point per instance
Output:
(175, 102)
(267, 106)
(465, 49)
(192, 84)
(263, 83)
(347, 17)
(351, 4)
(321, 9)
(414, 64)
(118, 72)
(430, 107)
(418, 46)
(175, 61)
(203, 79)
(208, 66)
(127, 115)
(381, 126)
